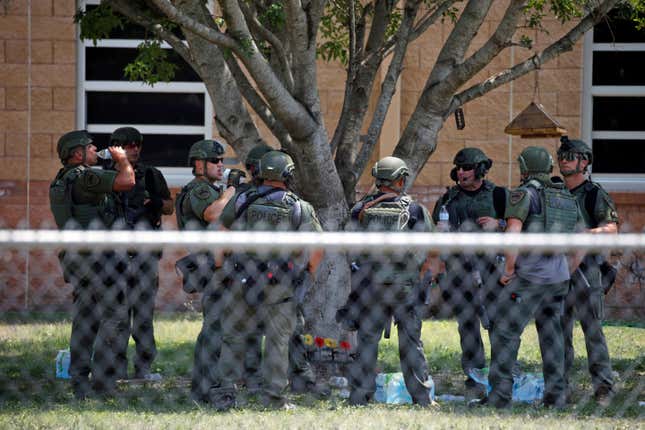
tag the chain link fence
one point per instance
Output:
(236, 320)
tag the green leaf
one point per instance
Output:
(98, 23)
(151, 64)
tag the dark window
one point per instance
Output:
(618, 113)
(617, 29)
(618, 68)
(145, 108)
(131, 30)
(107, 64)
(159, 149)
(618, 156)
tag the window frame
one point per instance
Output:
(175, 176)
(610, 181)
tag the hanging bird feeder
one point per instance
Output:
(533, 122)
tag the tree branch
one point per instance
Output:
(564, 44)
(275, 42)
(296, 118)
(430, 18)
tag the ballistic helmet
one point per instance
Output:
(534, 160)
(252, 162)
(124, 135)
(574, 147)
(474, 157)
(276, 166)
(204, 150)
(71, 140)
(390, 169)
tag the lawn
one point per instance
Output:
(31, 396)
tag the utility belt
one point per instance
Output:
(264, 280)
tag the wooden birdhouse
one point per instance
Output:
(534, 122)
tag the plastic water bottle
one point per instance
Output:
(444, 219)
(104, 154)
(62, 364)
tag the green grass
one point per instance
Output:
(31, 396)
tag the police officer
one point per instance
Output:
(83, 197)
(534, 285)
(199, 205)
(143, 207)
(261, 296)
(301, 374)
(388, 285)
(585, 298)
(473, 204)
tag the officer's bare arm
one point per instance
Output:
(124, 180)
(513, 225)
(214, 210)
(610, 227)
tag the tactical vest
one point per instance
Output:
(133, 200)
(465, 208)
(272, 213)
(183, 211)
(65, 209)
(391, 215)
(559, 212)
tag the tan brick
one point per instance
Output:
(409, 101)
(411, 58)
(331, 76)
(41, 146)
(16, 51)
(414, 80)
(571, 59)
(52, 121)
(65, 52)
(497, 10)
(65, 99)
(53, 28)
(13, 75)
(430, 174)
(2, 144)
(41, 52)
(13, 167)
(3, 98)
(58, 75)
(2, 51)
(41, 98)
(568, 103)
(16, 145)
(41, 7)
(17, 98)
(13, 27)
(335, 102)
(44, 169)
(561, 80)
(64, 7)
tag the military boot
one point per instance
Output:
(222, 399)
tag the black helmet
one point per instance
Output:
(124, 135)
(474, 157)
(574, 147)
(71, 140)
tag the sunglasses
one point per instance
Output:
(466, 167)
(568, 156)
(132, 145)
(216, 160)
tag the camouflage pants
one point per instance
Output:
(362, 371)
(587, 305)
(208, 345)
(99, 322)
(240, 324)
(459, 290)
(517, 303)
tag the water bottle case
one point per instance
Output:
(62, 364)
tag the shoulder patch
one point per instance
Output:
(91, 179)
(516, 196)
(202, 193)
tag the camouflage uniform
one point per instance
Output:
(260, 299)
(585, 299)
(143, 267)
(82, 197)
(190, 204)
(540, 285)
(471, 279)
(385, 287)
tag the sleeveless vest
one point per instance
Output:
(559, 212)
